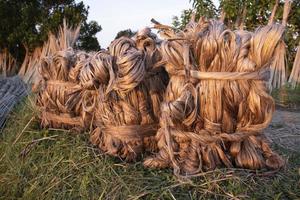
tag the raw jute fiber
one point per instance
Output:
(216, 104)
(131, 90)
(59, 67)
(57, 91)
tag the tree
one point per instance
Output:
(25, 24)
(184, 19)
(248, 14)
(87, 39)
(204, 8)
(126, 33)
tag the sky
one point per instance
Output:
(117, 15)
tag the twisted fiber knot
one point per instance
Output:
(207, 137)
(129, 70)
(131, 132)
(64, 118)
(212, 126)
(263, 74)
(95, 70)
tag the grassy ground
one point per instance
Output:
(54, 164)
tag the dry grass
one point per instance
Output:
(52, 164)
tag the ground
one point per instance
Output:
(285, 130)
(56, 164)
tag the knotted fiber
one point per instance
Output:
(216, 103)
(127, 110)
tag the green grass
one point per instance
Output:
(287, 97)
(54, 164)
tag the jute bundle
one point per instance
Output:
(216, 103)
(278, 66)
(59, 69)
(56, 91)
(294, 78)
(29, 68)
(128, 105)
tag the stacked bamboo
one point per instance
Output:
(216, 103)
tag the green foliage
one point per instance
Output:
(204, 8)
(257, 13)
(27, 23)
(126, 33)
(56, 164)
(184, 19)
(287, 97)
(200, 8)
(87, 39)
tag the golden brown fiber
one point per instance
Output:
(210, 118)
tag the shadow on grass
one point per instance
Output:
(57, 164)
(287, 98)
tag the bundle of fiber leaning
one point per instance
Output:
(29, 68)
(277, 67)
(216, 104)
(294, 78)
(12, 90)
(8, 64)
(125, 115)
